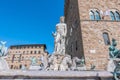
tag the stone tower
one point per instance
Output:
(91, 25)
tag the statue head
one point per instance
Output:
(62, 19)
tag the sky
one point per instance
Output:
(29, 21)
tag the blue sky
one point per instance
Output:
(29, 21)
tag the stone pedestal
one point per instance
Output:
(111, 65)
(81, 68)
(55, 61)
(56, 75)
(35, 67)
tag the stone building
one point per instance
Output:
(91, 25)
(20, 55)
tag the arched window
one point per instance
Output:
(106, 38)
(35, 52)
(39, 52)
(97, 15)
(112, 15)
(31, 52)
(117, 16)
(92, 16)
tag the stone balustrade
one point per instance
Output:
(69, 75)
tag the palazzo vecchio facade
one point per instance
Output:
(91, 25)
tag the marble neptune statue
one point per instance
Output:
(60, 35)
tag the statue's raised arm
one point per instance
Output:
(54, 34)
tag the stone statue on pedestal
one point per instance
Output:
(33, 61)
(59, 60)
(34, 65)
(59, 35)
(44, 61)
(3, 54)
(3, 49)
(23, 67)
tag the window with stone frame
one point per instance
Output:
(35, 52)
(112, 15)
(13, 58)
(23, 52)
(39, 52)
(117, 16)
(106, 38)
(94, 14)
(27, 46)
(97, 15)
(31, 52)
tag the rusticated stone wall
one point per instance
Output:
(89, 33)
(92, 35)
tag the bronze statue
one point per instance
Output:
(115, 56)
(113, 51)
